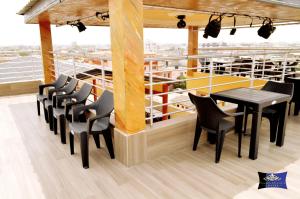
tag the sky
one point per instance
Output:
(15, 32)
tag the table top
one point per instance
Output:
(252, 96)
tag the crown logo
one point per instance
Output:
(271, 177)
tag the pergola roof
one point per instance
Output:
(162, 13)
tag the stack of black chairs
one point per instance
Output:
(64, 104)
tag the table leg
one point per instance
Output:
(256, 121)
(239, 120)
(297, 108)
(282, 123)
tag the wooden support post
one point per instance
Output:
(192, 48)
(47, 50)
(126, 26)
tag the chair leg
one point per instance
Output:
(62, 123)
(55, 125)
(198, 131)
(218, 137)
(273, 128)
(290, 104)
(219, 145)
(97, 140)
(38, 105)
(46, 115)
(245, 122)
(71, 143)
(84, 146)
(109, 143)
(240, 144)
(50, 117)
(297, 108)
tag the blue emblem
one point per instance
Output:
(272, 180)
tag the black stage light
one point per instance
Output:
(181, 23)
(102, 16)
(81, 27)
(213, 27)
(266, 30)
(233, 30)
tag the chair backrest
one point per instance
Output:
(105, 103)
(208, 112)
(278, 87)
(61, 81)
(83, 93)
(296, 83)
(70, 87)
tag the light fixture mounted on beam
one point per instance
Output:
(102, 15)
(233, 30)
(181, 23)
(213, 27)
(81, 27)
(266, 29)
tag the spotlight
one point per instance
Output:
(181, 23)
(267, 29)
(102, 16)
(233, 30)
(81, 27)
(213, 27)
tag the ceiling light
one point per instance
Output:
(233, 30)
(81, 27)
(267, 29)
(213, 27)
(181, 23)
(102, 16)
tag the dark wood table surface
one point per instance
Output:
(257, 99)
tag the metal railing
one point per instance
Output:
(91, 69)
(20, 66)
(167, 83)
(216, 69)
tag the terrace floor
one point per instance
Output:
(34, 164)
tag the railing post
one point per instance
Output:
(252, 72)
(151, 93)
(74, 67)
(284, 67)
(211, 67)
(103, 77)
(264, 67)
(164, 101)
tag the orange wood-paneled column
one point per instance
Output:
(47, 48)
(192, 48)
(126, 26)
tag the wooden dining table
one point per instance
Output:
(257, 100)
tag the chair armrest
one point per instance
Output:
(91, 120)
(43, 86)
(235, 114)
(61, 98)
(69, 106)
(57, 91)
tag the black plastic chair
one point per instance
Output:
(41, 96)
(271, 112)
(62, 106)
(95, 126)
(211, 118)
(48, 104)
(296, 95)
